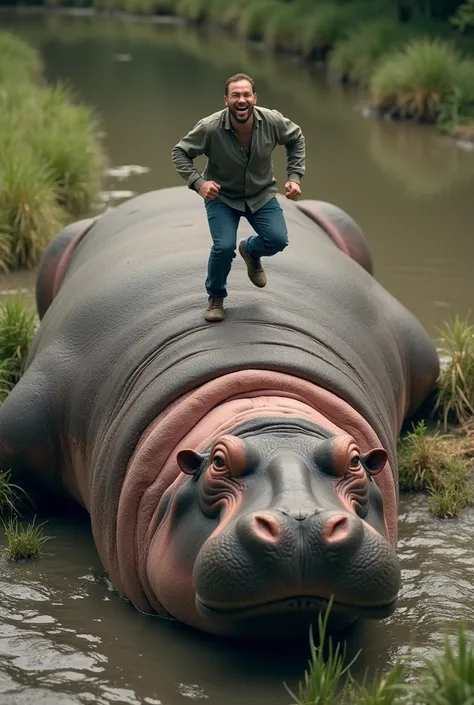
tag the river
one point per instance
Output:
(65, 635)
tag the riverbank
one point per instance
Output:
(408, 66)
(51, 158)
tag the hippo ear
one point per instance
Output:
(374, 461)
(189, 461)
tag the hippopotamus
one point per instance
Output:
(238, 477)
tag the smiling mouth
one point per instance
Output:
(299, 605)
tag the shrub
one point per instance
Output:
(252, 22)
(355, 57)
(415, 81)
(328, 22)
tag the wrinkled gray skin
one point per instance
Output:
(122, 336)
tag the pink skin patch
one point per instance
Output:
(194, 421)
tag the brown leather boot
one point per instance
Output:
(254, 267)
(215, 310)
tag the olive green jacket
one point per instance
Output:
(245, 178)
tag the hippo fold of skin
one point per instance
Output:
(237, 475)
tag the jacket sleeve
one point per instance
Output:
(291, 136)
(183, 154)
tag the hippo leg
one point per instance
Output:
(54, 262)
(26, 435)
(341, 228)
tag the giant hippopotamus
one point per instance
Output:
(238, 476)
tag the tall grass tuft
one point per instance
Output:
(24, 543)
(386, 689)
(51, 160)
(448, 678)
(29, 212)
(455, 397)
(439, 464)
(417, 81)
(18, 325)
(8, 493)
(322, 680)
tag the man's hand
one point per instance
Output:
(292, 190)
(209, 190)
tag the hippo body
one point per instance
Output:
(236, 474)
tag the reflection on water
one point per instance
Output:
(65, 635)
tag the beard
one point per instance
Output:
(241, 117)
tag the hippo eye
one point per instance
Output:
(354, 461)
(219, 462)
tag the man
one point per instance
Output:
(238, 180)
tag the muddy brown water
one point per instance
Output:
(65, 635)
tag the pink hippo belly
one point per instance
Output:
(192, 422)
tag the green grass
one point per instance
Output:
(420, 80)
(386, 689)
(323, 679)
(455, 398)
(448, 678)
(24, 542)
(51, 159)
(439, 464)
(18, 325)
(9, 493)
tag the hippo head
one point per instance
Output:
(260, 531)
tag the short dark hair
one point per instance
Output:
(238, 77)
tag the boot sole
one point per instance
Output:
(249, 262)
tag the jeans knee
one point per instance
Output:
(280, 241)
(224, 254)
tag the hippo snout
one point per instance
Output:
(331, 530)
(270, 557)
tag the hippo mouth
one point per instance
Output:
(296, 605)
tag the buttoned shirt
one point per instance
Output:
(245, 174)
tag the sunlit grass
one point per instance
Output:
(386, 689)
(9, 493)
(24, 542)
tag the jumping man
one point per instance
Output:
(238, 180)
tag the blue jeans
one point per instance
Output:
(272, 237)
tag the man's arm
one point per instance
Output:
(291, 136)
(190, 147)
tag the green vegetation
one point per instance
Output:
(17, 328)
(51, 162)
(412, 58)
(24, 543)
(447, 678)
(322, 680)
(456, 383)
(439, 464)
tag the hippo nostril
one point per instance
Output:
(266, 527)
(336, 529)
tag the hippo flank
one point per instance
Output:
(236, 476)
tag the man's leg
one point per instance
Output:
(272, 237)
(223, 223)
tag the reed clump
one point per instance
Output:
(51, 159)
(24, 542)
